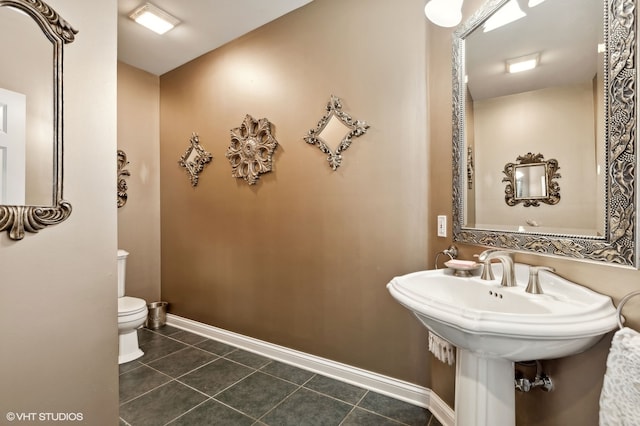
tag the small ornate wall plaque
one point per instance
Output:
(194, 159)
(251, 150)
(122, 172)
(328, 132)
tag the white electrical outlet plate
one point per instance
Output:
(442, 226)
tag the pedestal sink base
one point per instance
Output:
(485, 392)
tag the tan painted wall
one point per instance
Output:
(139, 218)
(58, 287)
(302, 258)
(578, 379)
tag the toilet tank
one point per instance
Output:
(122, 268)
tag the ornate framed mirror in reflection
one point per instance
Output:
(31, 140)
(576, 100)
(531, 180)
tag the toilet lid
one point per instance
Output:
(130, 305)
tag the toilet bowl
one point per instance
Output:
(132, 313)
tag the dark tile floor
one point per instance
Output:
(187, 379)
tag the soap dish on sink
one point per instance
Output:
(462, 268)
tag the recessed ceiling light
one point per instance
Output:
(154, 18)
(534, 3)
(523, 63)
(506, 14)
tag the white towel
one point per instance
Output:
(441, 349)
(620, 397)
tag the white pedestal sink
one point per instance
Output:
(494, 326)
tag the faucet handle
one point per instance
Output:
(533, 286)
(487, 271)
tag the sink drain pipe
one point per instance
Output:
(541, 380)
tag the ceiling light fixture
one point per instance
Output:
(444, 13)
(534, 3)
(523, 63)
(154, 18)
(505, 15)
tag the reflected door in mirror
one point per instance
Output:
(12, 147)
(26, 72)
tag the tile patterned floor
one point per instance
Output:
(187, 379)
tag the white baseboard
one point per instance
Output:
(398, 389)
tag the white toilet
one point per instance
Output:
(132, 313)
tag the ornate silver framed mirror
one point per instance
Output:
(194, 159)
(578, 102)
(31, 143)
(336, 127)
(531, 180)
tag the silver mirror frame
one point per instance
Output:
(618, 245)
(18, 219)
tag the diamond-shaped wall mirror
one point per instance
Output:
(335, 128)
(194, 159)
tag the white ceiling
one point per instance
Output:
(206, 25)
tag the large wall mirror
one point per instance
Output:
(31, 118)
(576, 104)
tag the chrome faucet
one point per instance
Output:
(506, 258)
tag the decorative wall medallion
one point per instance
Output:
(122, 172)
(194, 159)
(328, 132)
(251, 149)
